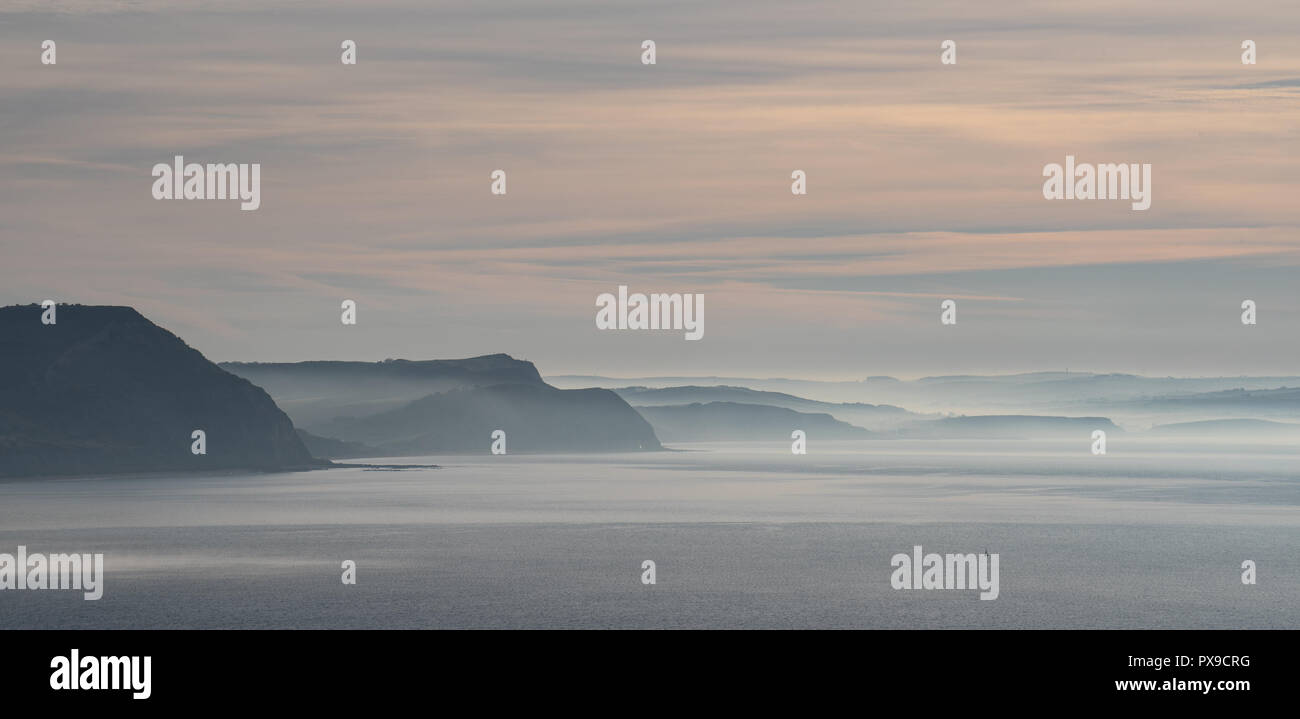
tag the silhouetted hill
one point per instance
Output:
(1274, 402)
(106, 390)
(330, 448)
(1008, 427)
(871, 416)
(1231, 429)
(731, 421)
(535, 418)
(316, 392)
(1125, 398)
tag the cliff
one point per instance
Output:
(105, 390)
(535, 418)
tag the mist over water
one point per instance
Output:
(743, 535)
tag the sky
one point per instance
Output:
(924, 180)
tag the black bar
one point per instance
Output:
(925, 670)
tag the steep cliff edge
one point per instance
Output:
(105, 390)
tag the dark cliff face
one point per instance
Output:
(535, 418)
(106, 390)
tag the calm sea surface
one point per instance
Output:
(743, 535)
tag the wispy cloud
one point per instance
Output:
(924, 180)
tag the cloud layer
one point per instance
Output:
(924, 180)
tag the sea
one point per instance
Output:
(741, 536)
